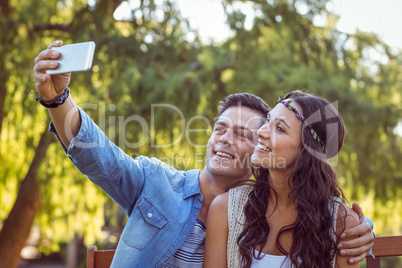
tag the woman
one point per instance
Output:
(289, 216)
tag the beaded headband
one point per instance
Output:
(301, 118)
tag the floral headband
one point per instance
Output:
(301, 118)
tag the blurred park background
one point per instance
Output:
(50, 212)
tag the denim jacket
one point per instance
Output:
(162, 203)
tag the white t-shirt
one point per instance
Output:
(272, 261)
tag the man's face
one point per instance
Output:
(232, 143)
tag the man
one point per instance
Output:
(167, 209)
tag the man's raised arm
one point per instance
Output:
(87, 146)
(53, 90)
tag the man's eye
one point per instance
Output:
(242, 135)
(219, 130)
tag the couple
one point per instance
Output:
(168, 209)
(293, 214)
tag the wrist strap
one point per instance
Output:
(55, 102)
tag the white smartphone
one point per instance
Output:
(74, 58)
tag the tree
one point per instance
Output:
(284, 51)
(153, 57)
(159, 65)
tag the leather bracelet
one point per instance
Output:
(55, 102)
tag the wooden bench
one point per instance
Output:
(384, 246)
(99, 258)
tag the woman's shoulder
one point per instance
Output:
(218, 209)
(241, 189)
(238, 195)
(346, 217)
(220, 202)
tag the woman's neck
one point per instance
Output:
(280, 189)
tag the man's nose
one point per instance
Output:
(226, 138)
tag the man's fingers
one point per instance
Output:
(361, 243)
(354, 243)
(362, 229)
(47, 54)
(41, 79)
(44, 65)
(356, 207)
(357, 258)
(57, 43)
(353, 252)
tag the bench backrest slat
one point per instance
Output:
(99, 258)
(384, 246)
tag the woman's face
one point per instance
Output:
(279, 139)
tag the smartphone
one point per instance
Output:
(74, 58)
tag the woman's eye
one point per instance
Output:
(280, 129)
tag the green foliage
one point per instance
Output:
(358, 72)
(148, 61)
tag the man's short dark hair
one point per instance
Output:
(244, 99)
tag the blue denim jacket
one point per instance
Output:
(162, 203)
(370, 222)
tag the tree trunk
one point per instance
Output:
(72, 252)
(3, 91)
(4, 13)
(17, 226)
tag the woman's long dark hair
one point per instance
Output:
(313, 184)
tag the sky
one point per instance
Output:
(383, 17)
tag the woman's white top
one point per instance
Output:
(271, 261)
(237, 199)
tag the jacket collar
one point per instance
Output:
(191, 183)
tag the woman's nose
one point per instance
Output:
(264, 131)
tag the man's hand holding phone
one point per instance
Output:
(54, 65)
(49, 86)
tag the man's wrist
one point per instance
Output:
(59, 100)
